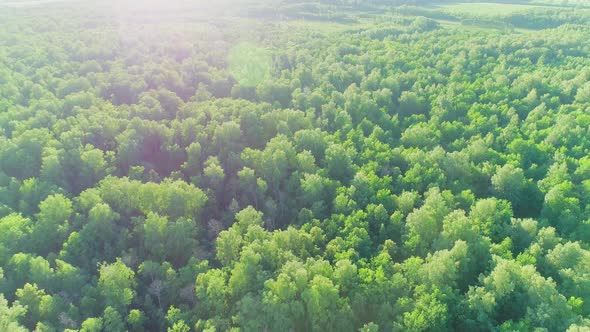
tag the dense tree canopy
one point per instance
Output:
(386, 168)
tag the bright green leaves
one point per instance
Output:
(14, 230)
(52, 226)
(491, 216)
(515, 292)
(429, 312)
(328, 312)
(10, 316)
(169, 198)
(117, 285)
(424, 224)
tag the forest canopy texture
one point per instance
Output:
(294, 166)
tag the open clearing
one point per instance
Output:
(485, 8)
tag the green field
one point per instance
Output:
(485, 8)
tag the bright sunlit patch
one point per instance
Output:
(249, 64)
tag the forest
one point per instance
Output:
(366, 165)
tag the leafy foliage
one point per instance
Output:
(364, 170)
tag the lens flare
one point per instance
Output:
(249, 64)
